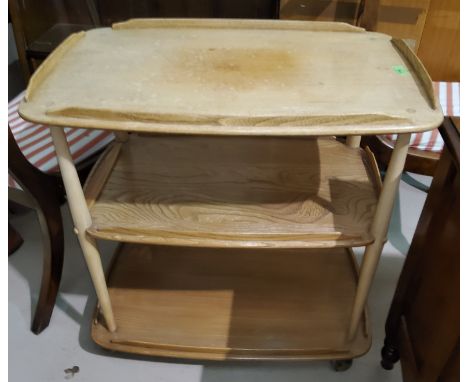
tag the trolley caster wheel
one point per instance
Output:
(341, 364)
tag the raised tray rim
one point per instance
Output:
(314, 125)
(219, 354)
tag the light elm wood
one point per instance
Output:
(375, 168)
(50, 63)
(237, 192)
(142, 23)
(423, 78)
(100, 172)
(353, 141)
(82, 221)
(218, 304)
(379, 229)
(234, 77)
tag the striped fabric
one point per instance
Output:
(35, 142)
(449, 97)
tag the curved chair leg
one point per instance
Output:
(390, 354)
(40, 192)
(14, 240)
(50, 222)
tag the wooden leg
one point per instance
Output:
(50, 221)
(82, 220)
(40, 196)
(390, 355)
(41, 193)
(379, 229)
(14, 240)
(353, 140)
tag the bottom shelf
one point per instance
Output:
(217, 304)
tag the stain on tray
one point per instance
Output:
(235, 68)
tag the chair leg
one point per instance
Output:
(14, 240)
(41, 192)
(50, 222)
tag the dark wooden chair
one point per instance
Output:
(39, 26)
(423, 324)
(43, 193)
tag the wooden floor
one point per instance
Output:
(232, 303)
(235, 192)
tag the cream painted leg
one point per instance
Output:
(379, 229)
(82, 220)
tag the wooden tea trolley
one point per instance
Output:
(236, 206)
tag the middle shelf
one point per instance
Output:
(233, 192)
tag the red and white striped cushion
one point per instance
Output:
(449, 97)
(35, 142)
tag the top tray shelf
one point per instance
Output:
(233, 77)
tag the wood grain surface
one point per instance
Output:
(236, 192)
(100, 171)
(440, 41)
(232, 77)
(232, 304)
(424, 81)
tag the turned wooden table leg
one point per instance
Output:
(353, 140)
(82, 220)
(379, 229)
